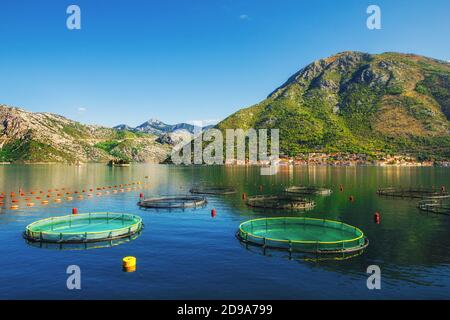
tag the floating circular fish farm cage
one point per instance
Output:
(84, 228)
(300, 234)
(173, 202)
(280, 202)
(413, 192)
(308, 190)
(213, 190)
(438, 206)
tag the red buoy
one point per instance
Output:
(213, 212)
(141, 195)
(74, 210)
(377, 217)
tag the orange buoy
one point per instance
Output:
(14, 207)
(377, 217)
(351, 199)
(15, 200)
(37, 198)
(99, 194)
(74, 210)
(57, 200)
(49, 196)
(27, 199)
(44, 202)
(30, 204)
(341, 188)
(80, 197)
(69, 198)
(213, 212)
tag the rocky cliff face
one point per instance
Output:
(45, 137)
(360, 103)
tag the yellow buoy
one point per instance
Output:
(129, 262)
(69, 198)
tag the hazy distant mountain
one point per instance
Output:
(159, 128)
(45, 137)
(359, 103)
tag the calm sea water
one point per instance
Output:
(190, 255)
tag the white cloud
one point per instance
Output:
(81, 109)
(244, 17)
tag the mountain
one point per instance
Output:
(359, 103)
(160, 128)
(46, 137)
(157, 127)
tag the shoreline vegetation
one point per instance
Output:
(310, 159)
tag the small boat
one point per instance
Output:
(119, 163)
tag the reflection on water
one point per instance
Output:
(191, 254)
(82, 246)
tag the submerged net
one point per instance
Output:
(302, 235)
(280, 202)
(83, 228)
(308, 190)
(417, 192)
(438, 206)
(173, 202)
(214, 190)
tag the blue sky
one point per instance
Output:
(189, 60)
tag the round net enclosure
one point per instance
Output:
(300, 234)
(84, 228)
(308, 190)
(438, 206)
(280, 202)
(172, 202)
(213, 190)
(417, 192)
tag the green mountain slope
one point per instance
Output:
(46, 137)
(359, 103)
